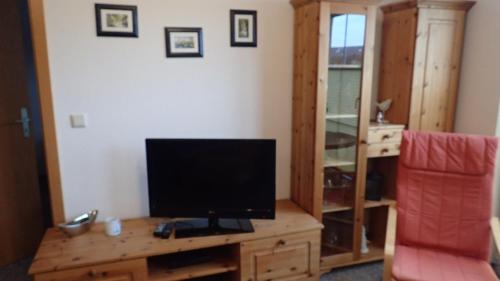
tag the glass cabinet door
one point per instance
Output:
(342, 115)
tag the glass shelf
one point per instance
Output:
(345, 66)
(336, 140)
(338, 163)
(341, 116)
(339, 207)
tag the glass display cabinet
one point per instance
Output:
(345, 66)
(333, 83)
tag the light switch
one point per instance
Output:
(78, 120)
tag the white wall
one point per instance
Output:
(131, 91)
(480, 84)
(477, 109)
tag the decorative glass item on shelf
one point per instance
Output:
(382, 107)
(341, 135)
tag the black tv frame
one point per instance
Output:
(215, 221)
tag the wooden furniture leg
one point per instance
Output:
(495, 229)
(390, 242)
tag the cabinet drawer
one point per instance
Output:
(291, 257)
(376, 135)
(383, 150)
(133, 270)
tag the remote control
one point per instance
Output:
(159, 230)
(167, 230)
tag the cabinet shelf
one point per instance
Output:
(341, 116)
(345, 66)
(331, 260)
(336, 140)
(338, 163)
(331, 250)
(376, 253)
(338, 207)
(381, 203)
(192, 271)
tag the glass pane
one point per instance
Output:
(347, 39)
(337, 235)
(355, 39)
(342, 111)
(338, 42)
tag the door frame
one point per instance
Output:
(38, 33)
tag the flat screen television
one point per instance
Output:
(225, 182)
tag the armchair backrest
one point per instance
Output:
(444, 192)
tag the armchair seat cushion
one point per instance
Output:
(421, 264)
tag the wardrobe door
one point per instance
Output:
(436, 72)
(396, 63)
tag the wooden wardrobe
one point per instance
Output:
(420, 63)
(335, 143)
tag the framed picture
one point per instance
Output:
(116, 20)
(243, 28)
(184, 42)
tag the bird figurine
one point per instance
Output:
(383, 107)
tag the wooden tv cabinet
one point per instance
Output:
(287, 248)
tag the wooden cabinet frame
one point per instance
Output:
(37, 18)
(312, 39)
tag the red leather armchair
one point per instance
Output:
(444, 203)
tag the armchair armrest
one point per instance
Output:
(495, 229)
(390, 242)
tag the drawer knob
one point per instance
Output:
(384, 151)
(281, 242)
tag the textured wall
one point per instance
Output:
(131, 91)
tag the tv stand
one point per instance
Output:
(211, 226)
(287, 248)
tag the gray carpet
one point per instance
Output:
(16, 272)
(366, 272)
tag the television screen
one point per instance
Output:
(199, 178)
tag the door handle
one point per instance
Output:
(25, 122)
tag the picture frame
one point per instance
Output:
(116, 20)
(184, 42)
(243, 28)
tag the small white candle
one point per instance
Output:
(113, 226)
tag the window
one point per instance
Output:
(347, 40)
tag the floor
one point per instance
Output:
(366, 272)
(16, 271)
